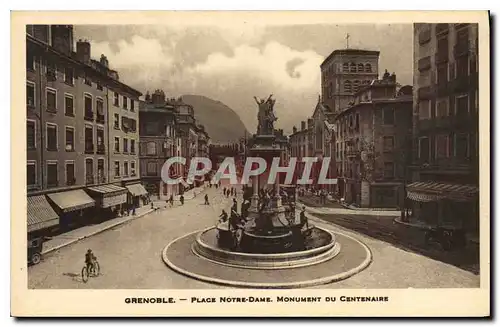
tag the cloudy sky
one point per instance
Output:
(234, 64)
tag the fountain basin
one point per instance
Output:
(325, 248)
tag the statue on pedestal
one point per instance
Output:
(266, 117)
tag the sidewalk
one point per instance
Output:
(76, 235)
(344, 211)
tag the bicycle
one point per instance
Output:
(93, 271)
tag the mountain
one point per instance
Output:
(221, 122)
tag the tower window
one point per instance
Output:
(345, 67)
(348, 86)
(368, 68)
(361, 68)
(353, 67)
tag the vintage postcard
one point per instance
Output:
(250, 164)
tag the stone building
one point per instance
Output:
(68, 154)
(373, 144)
(445, 126)
(343, 72)
(158, 142)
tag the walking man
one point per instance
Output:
(206, 200)
(182, 200)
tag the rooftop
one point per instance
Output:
(341, 52)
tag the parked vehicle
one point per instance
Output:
(35, 246)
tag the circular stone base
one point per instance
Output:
(326, 248)
(352, 259)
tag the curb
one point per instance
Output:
(287, 285)
(95, 232)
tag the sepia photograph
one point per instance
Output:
(279, 161)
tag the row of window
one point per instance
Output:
(52, 172)
(354, 86)
(126, 103)
(52, 71)
(125, 145)
(52, 143)
(388, 171)
(442, 107)
(443, 147)
(69, 103)
(151, 149)
(356, 68)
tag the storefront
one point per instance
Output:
(445, 205)
(76, 208)
(110, 199)
(137, 195)
(42, 219)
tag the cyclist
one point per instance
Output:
(89, 259)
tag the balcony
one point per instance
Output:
(100, 119)
(425, 92)
(441, 57)
(101, 149)
(89, 148)
(461, 49)
(424, 63)
(89, 180)
(424, 36)
(88, 116)
(442, 29)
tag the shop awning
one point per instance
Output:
(108, 189)
(136, 189)
(431, 191)
(40, 214)
(109, 195)
(72, 200)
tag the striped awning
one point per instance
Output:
(136, 189)
(40, 213)
(431, 191)
(109, 195)
(72, 200)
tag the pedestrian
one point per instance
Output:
(206, 200)
(224, 191)
(182, 200)
(171, 200)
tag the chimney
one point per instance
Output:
(302, 125)
(158, 97)
(83, 51)
(310, 123)
(62, 38)
(294, 129)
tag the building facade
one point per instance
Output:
(158, 142)
(343, 72)
(67, 131)
(373, 143)
(445, 126)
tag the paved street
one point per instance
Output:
(130, 256)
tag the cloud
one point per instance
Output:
(234, 64)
